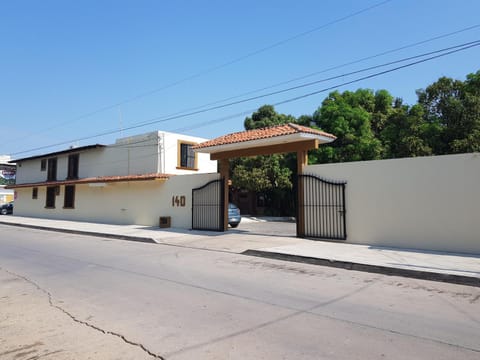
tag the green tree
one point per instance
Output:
(452, 108)
(404, 132)
(348, 116)
(266, 116)
(270, 175)
(262, 173)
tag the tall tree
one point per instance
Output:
(404, 132)
(348, 116)
(266, 116)
(452, 107)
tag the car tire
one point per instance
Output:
(233, 225)
(4, 212)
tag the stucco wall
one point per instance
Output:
(154, 152)
(424, 203)
(141, 202)
(204, 164)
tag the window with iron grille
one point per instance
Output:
(187, 156)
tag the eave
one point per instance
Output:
(93, 180)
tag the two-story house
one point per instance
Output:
(128, 182)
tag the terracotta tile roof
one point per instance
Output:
(98, 179)
(264, 133)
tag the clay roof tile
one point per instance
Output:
(263, 133)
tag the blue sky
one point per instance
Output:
(74, 69)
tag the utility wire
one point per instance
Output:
(156, 120)
(305, 76)
(336, 67)
(180, 115)
(217, 67)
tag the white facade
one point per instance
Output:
(136, 202)
(155, 152)
(430, 203)
(108, 186)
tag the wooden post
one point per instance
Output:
(302, 161)
(224, 173)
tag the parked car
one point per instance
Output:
(6, 208)
(234, 216)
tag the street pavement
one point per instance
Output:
(267, 238)
(69, 296)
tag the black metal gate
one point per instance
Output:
(208, 206)
(323, 206)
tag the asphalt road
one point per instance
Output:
(182, 303)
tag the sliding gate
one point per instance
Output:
(208, 206)
(323, 205)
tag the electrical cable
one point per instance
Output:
(156, 120)
(217, 67)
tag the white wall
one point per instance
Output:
(154, 152)
(140, 202)
(204, 164)
(428, 203)
(128, 156)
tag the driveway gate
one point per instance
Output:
(323, 208)
(208, 206)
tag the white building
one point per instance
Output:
(132, 181)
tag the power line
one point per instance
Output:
(156, 120)
(180, 115)
(216, 67)
(324, 70)
(477, 43)
(188, 110)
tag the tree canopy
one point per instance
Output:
(371, 125)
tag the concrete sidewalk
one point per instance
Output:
(438, 266)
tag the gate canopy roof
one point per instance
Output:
(276, 139)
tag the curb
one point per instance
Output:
(81, 232)
(416, 274)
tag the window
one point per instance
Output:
(69, 201)
(34, 193)
(52, 169)
(43, 165)
(51, 193)
(73, 166)
(187, 158)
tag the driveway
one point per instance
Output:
(269, 228)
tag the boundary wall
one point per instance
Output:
(430, 203)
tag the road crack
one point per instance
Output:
(85, 323)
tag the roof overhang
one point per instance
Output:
(283, 143)
(95, 180)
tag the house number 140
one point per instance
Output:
(178, 200)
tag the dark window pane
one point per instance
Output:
(35, 193)
(187, 156)
(52, 169)
(69, 197)
(51, 193)
(73, 166)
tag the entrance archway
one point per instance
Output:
(267, 141)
